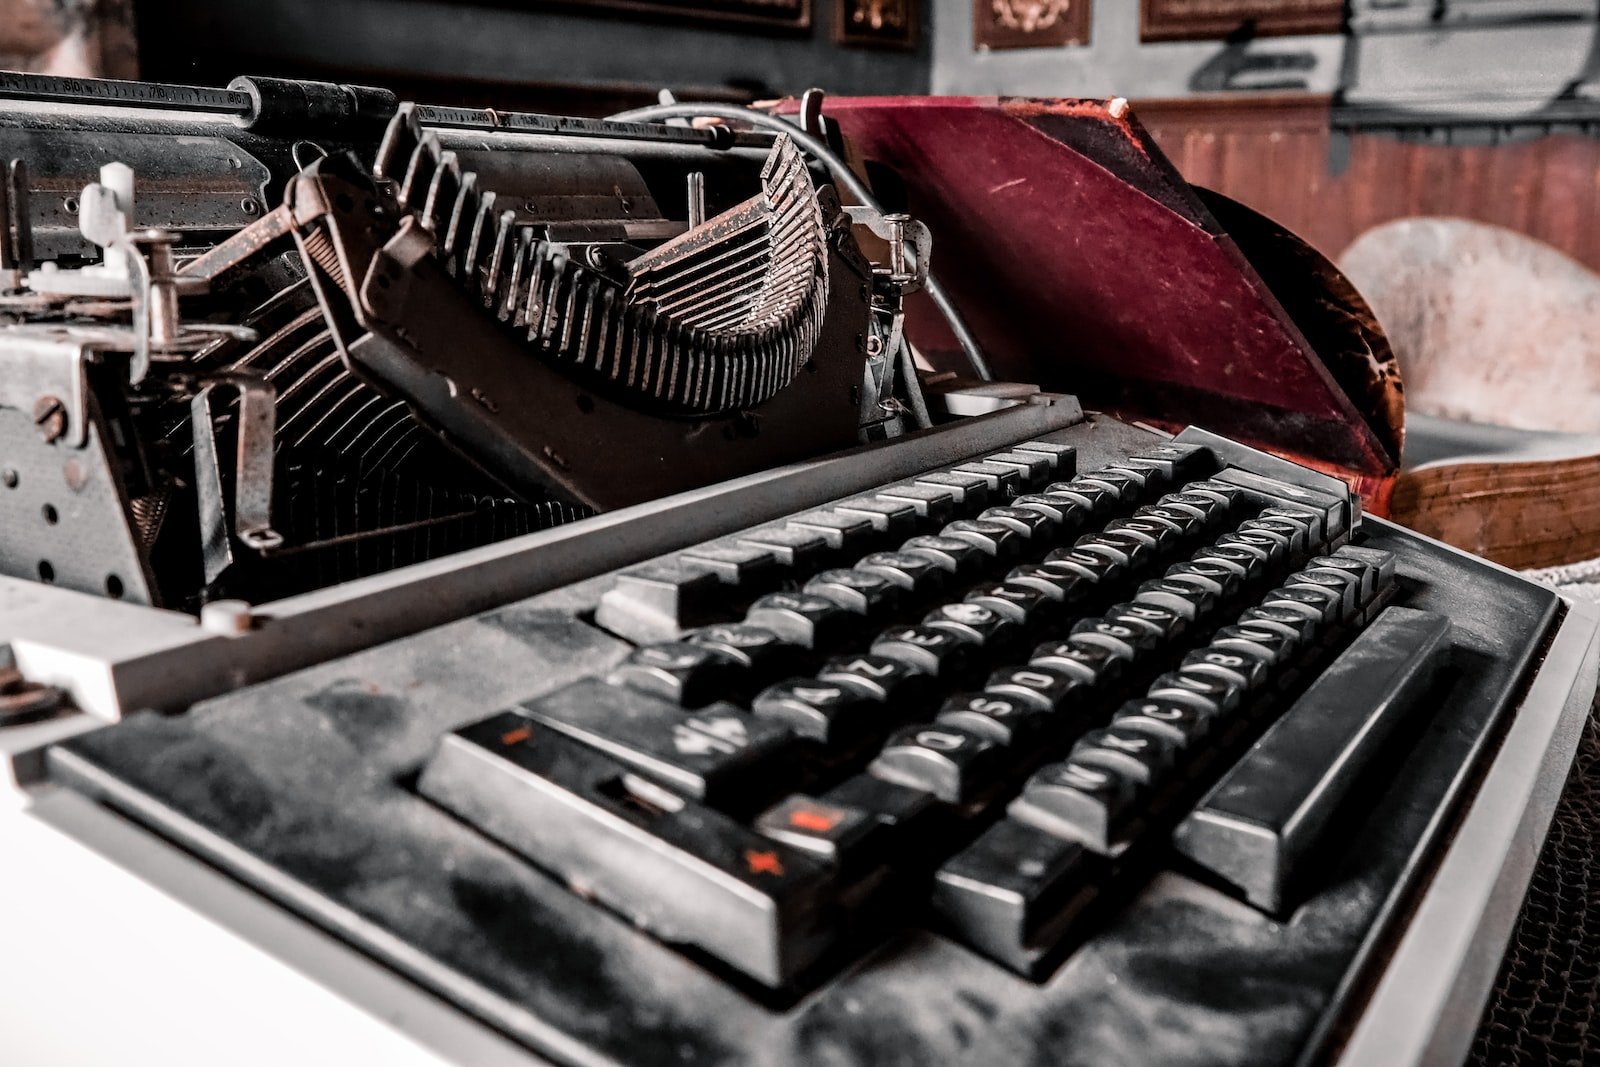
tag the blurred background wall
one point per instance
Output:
(1482, 109)
(579, 58)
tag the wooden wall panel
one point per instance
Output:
(1277, 154)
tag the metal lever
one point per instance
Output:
(910, 243)
(252, 486)
(16, 225)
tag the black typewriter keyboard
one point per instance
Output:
(983, 698)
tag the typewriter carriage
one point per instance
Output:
(344, 389)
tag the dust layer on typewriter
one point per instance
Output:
(357, 345)
(485, 794)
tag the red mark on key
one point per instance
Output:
(517, 736)
(763, 862)
(811, 819)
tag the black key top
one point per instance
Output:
(1333, 511)
(1069, 514)
(1042, 688)
(1236, 668)
(1127, 484)
(1247, 564)
(1345, 587)
(1362, 574)
(932, 650)
(1225, 493)
(1099, 564)
(1144, 757)
(1165, 625)
(1382, 561)
(951, 762)
(1182, 463)
(900, 809)
(1080, 801)
(971, 491)
(1063, 457)
(1315, 538)
(836, 834)
(822, 711)
(1186, 598)
(752, 570)
(934, 503)
(1003, 482)
(1136, 551)
(716, 754)
(1007, 721)
(1282, 536)
(848, 535)
(1126, 640)
(798, 550)
(895, 520)
(802, 619)
(917, 576)
(1002, 892)
(1156, 478)
(1019, 603)
(683, 871)
(903, 690)
(860, 592)
(1211, 694)
(1320, 605)
(761, 652)
(1091, 661)
(1159, 534)
(1265, 818)
(1272, 549)
(1292, 622)
(684, 672)
(1207, 508)
(1034, 469)
(991, 538)
(1293, 534)
(659, 601)
(973, 623)
(1063, 585)
(1219, 579)
(1181, 725)
(1184, 523)
(1271, 646)
(1027, 522)
(958, 558)
(1101, 499)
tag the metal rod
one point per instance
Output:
(50, 89)
(913, 386)
(697, 199)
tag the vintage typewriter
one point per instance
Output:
(650, 591)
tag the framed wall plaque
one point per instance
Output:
(1192, 20)
(787, 15)
(1029, 23)
(876, 23)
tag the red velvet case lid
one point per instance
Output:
(1084, 263)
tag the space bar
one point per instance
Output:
(1262, 821)
(684, 872)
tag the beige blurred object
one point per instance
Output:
(1489, 325)
(72, 38)
(1498, 338)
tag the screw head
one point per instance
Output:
(50, 417)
